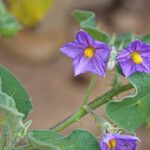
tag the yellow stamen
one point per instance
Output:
(89, 52)
(111, 144)
(136, 57)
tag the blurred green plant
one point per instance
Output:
(9, 25)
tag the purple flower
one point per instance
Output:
(135, 58)
(87, 54)
(118, 142)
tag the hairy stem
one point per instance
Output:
(4, 135)
(81, 112)
(89, 90)
(25, 147)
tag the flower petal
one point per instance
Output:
(103, 53)
(73, 49)
(126, 137)
(100, 45)
(136, 45)
(80, 64)
(124, 55)
(125, 144)
(103, 146)
(128, 67)
(145, 51)
(96, 66)
(144, 66)
(84, 38)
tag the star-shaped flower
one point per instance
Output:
(118, 142)
(87, 54)
(135, 58)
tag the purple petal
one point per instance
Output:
(84, 38)
(103, 53)
(73, 49)
(103, 146)
(123, 142)
(100, 45)
(125, 145)
(126, 137)
(96, 66)
(145, 48)
(144, 66)
(80, 64)
(128, 67)
(124, 55)
(136, 45)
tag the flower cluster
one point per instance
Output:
(91, 55)
(94, 56)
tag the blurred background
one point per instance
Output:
(33, 54)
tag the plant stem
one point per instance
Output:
(89, 90)
(113, 39)
(4, 135)
(105, 125)
(81, 112)
(25, 147)
(96, 116)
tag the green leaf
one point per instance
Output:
(146, 38)
(86, 18)
(12, 87)
(51, 140)
(88, 23)
(13, 117)
(125, 39)
(132, 111)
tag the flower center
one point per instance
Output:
(136, 57)
(89, 52)
(111, 144)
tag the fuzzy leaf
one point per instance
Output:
(51, 140)
(88, 23)
(125, 39)
(13, 117)
(132, 111)
(12, 87)
(146, 38)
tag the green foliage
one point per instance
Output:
(124, 39)
(51, 140)
(88, 23)
(132, 111)
(12, 116)
(9, 26)
(146, 38)
(12, 87)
